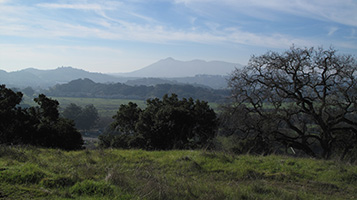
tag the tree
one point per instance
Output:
(301, 98)
(164, 124)
(52, 130)
(126, 118)
(48, 110)
(72, 111)
(11, 128)
(28, 91)
(88, 117)
(40, 126)
(84, 118)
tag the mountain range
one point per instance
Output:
(171, 68)
(196, 72)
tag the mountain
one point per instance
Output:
(46, 78)
(171, 68)
(167, 71)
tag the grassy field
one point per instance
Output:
(105, 107)
(35, 173)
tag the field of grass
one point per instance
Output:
(36, 173)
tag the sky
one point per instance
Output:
(110, 36)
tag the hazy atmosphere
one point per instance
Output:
(123, 36)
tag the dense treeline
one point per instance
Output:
(88, 88)
(164, 124)
(39, 126)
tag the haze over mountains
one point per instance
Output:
(171, 68)
(196, 72)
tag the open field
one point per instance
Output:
(105, 107)
(36, 173)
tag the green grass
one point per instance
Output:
(36, 173)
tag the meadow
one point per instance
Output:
(37, 173)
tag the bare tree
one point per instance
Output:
(301, 98)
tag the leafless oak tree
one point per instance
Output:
(304, 98)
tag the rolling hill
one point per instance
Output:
(46, 78)
(196, 72)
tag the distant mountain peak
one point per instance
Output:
(169, 58)
(171, 68)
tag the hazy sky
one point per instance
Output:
(125, 35)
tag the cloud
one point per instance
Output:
(104, 23)
(13, 56)
(107, 5)
(332, 30)
(342, 11)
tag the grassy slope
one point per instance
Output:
(34, 173)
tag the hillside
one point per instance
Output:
(212, 81)
(46, 78)
(89, 88)
(197, 72)
(35, 173)
(171, 68)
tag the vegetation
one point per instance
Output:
(300, 102)
(105, 107)
(35, 173)
(40, 125)
(88, 88)
(302, 99)
(164, 124)
(84, 118)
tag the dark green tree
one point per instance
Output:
(28, 91)
(126, 118)
(39, 126)
(88, 117)
(52, 130)
(48, 110)
(84, 118)
(165, 124)
(11, 127)
(72, 111)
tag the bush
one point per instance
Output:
(90, 187)
(28, 173)
(57, 182)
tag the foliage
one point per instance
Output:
(303, 99)
(137, 174)
(88, 88)
(89, 187)
(84, 118)
(169, 123)
(39, 125)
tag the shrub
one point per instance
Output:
(90, 187)
(28, 173)
(57, 182)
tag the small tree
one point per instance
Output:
(302, 98)
(84, 118)
(126, 118)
